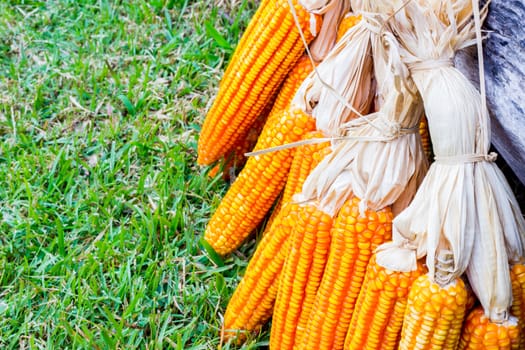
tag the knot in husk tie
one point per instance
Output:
(426, 65)
(467, 158)
(387, 128)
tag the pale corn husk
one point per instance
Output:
(464, 203)
(348, 71)
(382, 160)
(345, 77)
(332, 11)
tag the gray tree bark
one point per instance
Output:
(504, 55)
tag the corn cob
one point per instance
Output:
(305, 159)
(252, 302)
(435, 310)
(236, 159)
(425, 137)
(354, 238)
(266, 53)
(378, 314)
(258, 185)
(517, 275)
(301, 275)
(480, 333)
(347, 22)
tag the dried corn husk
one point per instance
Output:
(345, 77)
(351, 58)
(332, 11)
(464, 203)
(380, 158)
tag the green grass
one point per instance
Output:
(102, 205)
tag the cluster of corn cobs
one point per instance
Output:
(314, 272)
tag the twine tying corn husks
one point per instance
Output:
(346, 244)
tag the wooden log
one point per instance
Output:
(504, 55)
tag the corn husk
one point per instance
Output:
(341, 87)
(380, 158)
(344, 77)
(464, 203)
(332, 11)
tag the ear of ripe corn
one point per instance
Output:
(234, 161)
(346, 23)
(479, 333)
(425, 137)
(252, 302)
(517, 276)
(258, 185)
(293, 80)
(354, 239)
(378, 314)
(434, 315)
(267, 51)
(301, 275)
(305, 159)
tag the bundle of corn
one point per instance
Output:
(464, 204)
(314, 302)
(358, 92)
(315, 265)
